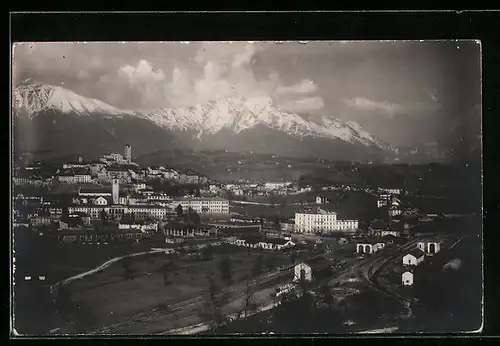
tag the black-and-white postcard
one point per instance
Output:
(201, 188)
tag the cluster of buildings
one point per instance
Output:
(108, 168)
(415, 257)
(246, 188)
(263, 243)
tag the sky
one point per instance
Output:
(403, 92)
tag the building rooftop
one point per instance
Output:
(318, 263)
(275, 241)
(201, 199)
(180, 226)
(96, 190)
(316, 211)
(416, 252)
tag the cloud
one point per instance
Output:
(142, 73)
(161, 75)
(304, 105)
(305, 86)
(364, 104)
(227, 72)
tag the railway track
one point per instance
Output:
(371, 274)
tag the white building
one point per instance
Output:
(302, 272)
(128, 153)
(117, 211)
(276, 185)
(414, 258)
(313, 269)
(113, 158)
(389, 232)
(143, 227)
(74, 178)
(203, 205)
(390, 191)
(366, 248)
(137, 186)
(116, 191)
(322, 221)
(321, 200)
(94, 193)
(407, 279)
(429, 247)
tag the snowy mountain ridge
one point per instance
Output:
(35, 97)
(233, 114)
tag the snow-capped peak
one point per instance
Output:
(229, 114)
(34, 97)
(240, 114)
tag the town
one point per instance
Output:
(156, 250)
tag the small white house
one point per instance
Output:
(413, 258)
(366, 248)
(321, 200)
(302, 272)
(429, 247)
(407, 279)
(313, 269)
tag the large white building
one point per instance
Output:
(322, 221)
(203, 205)
(74, 178)
(117, 211)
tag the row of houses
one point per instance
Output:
(263, 243)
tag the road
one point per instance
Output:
(97, 269)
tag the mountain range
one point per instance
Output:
(52, 120)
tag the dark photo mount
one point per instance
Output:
(181, 135)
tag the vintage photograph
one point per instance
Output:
(223, 188)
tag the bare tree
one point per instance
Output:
(249, 303)
(324, 296)
(211, 311)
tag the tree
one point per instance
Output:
(179, 211)
(225, 268)
(257, 268)
(293, 257)
(261, 221)
(212, 308)
(192, 218)
(249, 303)
(104, 216)
(326, 296)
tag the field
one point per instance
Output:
(41, 255)
(105, 293)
